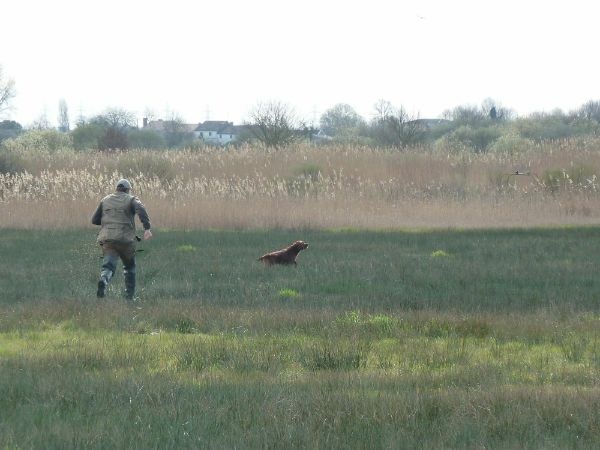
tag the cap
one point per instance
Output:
(124, 183)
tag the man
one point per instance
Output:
(115, 215)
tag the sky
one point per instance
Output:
(218, 60)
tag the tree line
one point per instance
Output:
(477, 128)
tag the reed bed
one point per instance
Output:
(317, 187)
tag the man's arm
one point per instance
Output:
(140, 210)
(97, 217)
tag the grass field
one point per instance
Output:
(377, 339)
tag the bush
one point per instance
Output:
(544, 128)
(87, 136)
(145, 139)
(10, 161)
(511, 144)
(582, 127)
(39, 140)
(467, 138)
(478, 139)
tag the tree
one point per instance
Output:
(273, 123)
(495, 111)
(9, 129)
(116, 118)
(340, 119)
(393, 127)
(63, 116)
(590, 110)
(383, 110)
(145, 138)
(466, 114)
(114, 123)
(86, 136)
(175, 130)
(41, 123)
(7, 92)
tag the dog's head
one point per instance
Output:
(300, 245)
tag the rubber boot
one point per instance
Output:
(109, 265)
(129, 274)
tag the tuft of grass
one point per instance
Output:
(288, 294)
(186, 248)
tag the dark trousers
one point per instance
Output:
(112, 252)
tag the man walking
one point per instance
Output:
(115, 215)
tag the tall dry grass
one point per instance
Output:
(305, 186)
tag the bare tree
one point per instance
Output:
(114, 123)
(150, 114)
(175, 130)
(274, 124)
(393, 127)
(590, 110)
(41, 123)
(383, 110)
(465, 114)
(7, 92)
(116, 118)
(63, 116)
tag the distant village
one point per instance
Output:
(217, 132)
(220, 132)
(486, 128)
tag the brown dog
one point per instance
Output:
(284, 256)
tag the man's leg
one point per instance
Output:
(128, 258)
(109, 265)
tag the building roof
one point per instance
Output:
(213, 125)
(167, 125)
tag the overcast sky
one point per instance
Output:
(218, 59)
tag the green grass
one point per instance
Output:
(432, 339)
(486, 271)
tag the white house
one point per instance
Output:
(218, 132)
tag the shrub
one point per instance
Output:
(87, 136)
(511, 144)
(478, 139)
(145, 139)
(10, 161)
(40, 140)
(544, 128)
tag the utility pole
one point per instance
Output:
(314, 119)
